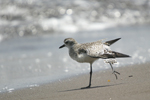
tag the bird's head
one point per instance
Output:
(68, 42)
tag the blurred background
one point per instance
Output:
(31, 32)
(20, 18)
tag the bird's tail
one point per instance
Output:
(114, 54)
(119, 55)
(108, 43)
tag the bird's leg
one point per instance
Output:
(90, 75)
(114, 72)
(90, 78)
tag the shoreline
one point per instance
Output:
(133, 83)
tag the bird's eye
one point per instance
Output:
(66, 42)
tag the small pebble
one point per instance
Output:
(131, 76)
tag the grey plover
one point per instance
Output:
(90, 52)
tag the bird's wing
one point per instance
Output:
(110, 54)
(99, 50)
(94, 49)
(108, 43)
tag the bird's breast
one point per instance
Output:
(85, 58)
(81, 57)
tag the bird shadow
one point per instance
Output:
(90, 87)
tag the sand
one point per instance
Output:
(132, 84)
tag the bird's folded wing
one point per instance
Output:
(110, 54)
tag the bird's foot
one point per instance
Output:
(115, 73)
(86, 87)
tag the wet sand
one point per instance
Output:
(132, 84)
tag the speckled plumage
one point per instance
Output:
(86, 52)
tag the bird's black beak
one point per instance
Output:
(62, 46)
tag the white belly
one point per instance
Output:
(83, 58)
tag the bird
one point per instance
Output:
(90, 52)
